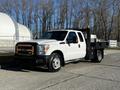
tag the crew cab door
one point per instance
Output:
(73, 46)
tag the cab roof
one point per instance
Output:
(71, 30)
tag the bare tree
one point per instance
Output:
(24, 9)
(16, 9)
(112, 18)
(118, 23)
(46, 10)
(7, 6)
(42, 15)
(63, 13)
(30, 11)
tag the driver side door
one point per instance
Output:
(72, 46)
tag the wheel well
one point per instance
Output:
(62, 56)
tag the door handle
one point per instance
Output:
(79, 45)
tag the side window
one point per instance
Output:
(80, 37)
(72, 38)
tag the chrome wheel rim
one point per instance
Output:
(99, 55)
(56, 63)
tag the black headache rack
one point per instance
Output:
(91, 47)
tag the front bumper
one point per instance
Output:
(36, 60)
(27, 52)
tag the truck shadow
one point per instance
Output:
(22, 68)
(79, 61)
(12, 66)
(8, 63)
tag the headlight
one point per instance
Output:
(43, 49)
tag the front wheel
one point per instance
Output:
(54, 63)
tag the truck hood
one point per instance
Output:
(43, 41)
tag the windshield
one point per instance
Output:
(57, 35)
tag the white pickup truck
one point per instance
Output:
(58, 47)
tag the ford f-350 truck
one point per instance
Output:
(58, 47)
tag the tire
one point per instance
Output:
(54, 63)
(98, 56)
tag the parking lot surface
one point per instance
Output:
(83, 75)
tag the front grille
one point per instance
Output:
(25, 49)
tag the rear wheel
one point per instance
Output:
(98, 56)
(54, 63)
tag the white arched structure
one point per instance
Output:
(12, 32)
(7, 27)
(24, 33)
